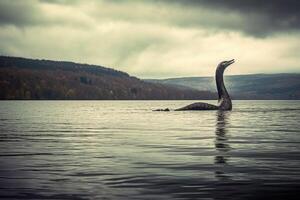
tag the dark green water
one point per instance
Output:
(123, 150)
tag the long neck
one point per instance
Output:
(222, 92)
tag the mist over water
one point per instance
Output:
(124, 150)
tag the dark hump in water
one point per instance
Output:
(198, 106)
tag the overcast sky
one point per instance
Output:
(156, 38)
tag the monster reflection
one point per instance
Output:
(221, 143)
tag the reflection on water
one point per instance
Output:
(123, 150)
(221, 142)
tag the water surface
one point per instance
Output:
(123, 150)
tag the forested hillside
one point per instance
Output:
(253, 86)
(22, 78)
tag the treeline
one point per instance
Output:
(252, 86)
(22, 78)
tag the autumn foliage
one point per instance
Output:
(22, 78)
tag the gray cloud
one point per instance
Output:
(154, 38)
(260, 18)
(19, 13)
(253, 17)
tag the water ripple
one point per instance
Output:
(123, 150)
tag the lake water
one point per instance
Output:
(124, 150)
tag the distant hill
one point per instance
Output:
(254, 86)
(22, 78)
